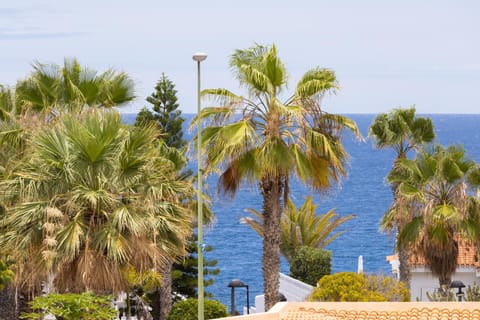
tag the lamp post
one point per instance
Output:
(199, 57)
(458, 285)
(236, 283)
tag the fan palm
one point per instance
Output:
(50, 90)
(92, 198)
(11, 140)
(433, 191)
(302, 227)
(402, 131)
(55, 88)
(260, 138)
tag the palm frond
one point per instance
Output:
(316, 82)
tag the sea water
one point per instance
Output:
(363, 193)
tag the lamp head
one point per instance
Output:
(236, 283)
(457, 284)
(199, 56)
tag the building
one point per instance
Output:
(291, 289)
(422, 280)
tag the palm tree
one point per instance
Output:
(302, 227)
(11, 140)
(260, 138)
(433, 191)
(93, 198)
(52, 88)
(402, 131)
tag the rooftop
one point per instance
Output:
(368, 311)
(467, 255)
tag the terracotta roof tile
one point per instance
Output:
(467, 255)
(369, 311)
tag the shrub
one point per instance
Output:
(390, 288)
(188, 310)
(70, 306)
(473, 293)
(6, 275)
(350, 286)
(310, 264)
(442, 295)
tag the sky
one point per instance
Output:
(386, 54)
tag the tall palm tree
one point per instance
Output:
(402, 131)
(302, 227)
(260, 138)
(433, 190)
(93, 198)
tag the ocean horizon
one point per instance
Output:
(364, 193)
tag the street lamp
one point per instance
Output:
(458, 285)
(236, 283)
(199, 57)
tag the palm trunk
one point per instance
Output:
(165, 291)
(8, 303)
(403, 251)
(271, 189)
(404, 268)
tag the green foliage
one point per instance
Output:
(91, 198)
(302, 227)
(310, 264)
(165, 113)
(390, 288)
(188, 310)
(185, 273)
(71, 86)
(86, 306)
(473, 293)
(258, 137)
(349, 286)
(442, 295)
(401, 130)
(432, 193)
(6, 274)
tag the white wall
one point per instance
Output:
(422, 281)
(291, 288)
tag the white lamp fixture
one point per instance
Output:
(199, 56)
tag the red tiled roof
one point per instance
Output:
(368, 311)
(467, 255)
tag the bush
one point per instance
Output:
(6, 275)
(350, 286)
(310, 264)
(473, 293)
(390, 288)
(70, 306)
(188, 310)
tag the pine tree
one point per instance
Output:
(165, 113)
(185, 273)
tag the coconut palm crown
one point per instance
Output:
(261, 138)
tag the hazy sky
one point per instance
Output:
(385, 53)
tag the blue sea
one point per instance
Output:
(364, 193)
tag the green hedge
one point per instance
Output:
(310, 264)
(188, 310)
